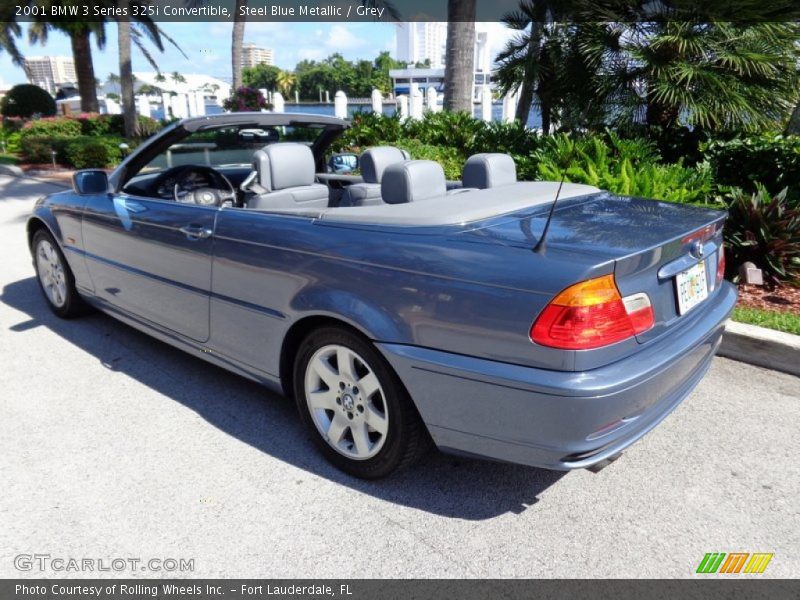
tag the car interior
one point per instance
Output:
(274, 169)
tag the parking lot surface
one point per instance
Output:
(115, 445)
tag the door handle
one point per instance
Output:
(196, 232)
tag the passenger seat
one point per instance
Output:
(285, 174)
(373, 163)
(488, 170)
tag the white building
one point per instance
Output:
(50, 71)
(403, 79)
(418, 42)
(253, 55)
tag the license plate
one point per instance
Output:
(692, 287)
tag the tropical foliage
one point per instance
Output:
(764, 229)
(662, 72)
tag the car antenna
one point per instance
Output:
(540, 246)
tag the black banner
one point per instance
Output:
(375, 589)
(741, 11)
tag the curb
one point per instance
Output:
(15, 171)
(12, 170)
(762, 347)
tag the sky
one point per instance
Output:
(207, 46)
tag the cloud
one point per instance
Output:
(342, 38)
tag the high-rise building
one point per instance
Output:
(418, 42)
(50, 71)
(253, 55)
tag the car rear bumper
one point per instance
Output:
(555, 419)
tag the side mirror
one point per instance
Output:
(90, 181)
(344, 162)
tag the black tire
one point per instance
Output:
(72, 305)
(406, 439)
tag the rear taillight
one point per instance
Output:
(720, 264)
(591, 314)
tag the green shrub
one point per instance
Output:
(765, 230)
(368, 129)
(26, 101)
(52, 127)
(770, 160)
(450, 158)
(10, 139)
(80, 152)
(92, 152)
(38, 148)
(623, 166)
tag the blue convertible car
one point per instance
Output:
(396, 307)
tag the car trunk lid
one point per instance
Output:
(657, 248)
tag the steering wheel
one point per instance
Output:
(222, 193)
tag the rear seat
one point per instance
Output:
(413, 181)
(373, 164)
(488, 170)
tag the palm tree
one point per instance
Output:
(237, 39)
(177, 77)
(459, 69)
(708, 75)
(285, 81)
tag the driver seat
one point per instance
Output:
(285, 176)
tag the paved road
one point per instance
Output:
(115, 445)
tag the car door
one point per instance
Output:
(152, 259)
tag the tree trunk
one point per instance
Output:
(459, 69)
(126, 74)
(793, 126)
(237, 39)
(84, 69)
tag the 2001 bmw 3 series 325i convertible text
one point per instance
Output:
(396, 307)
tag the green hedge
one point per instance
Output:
(79, 152)
(770, 160)
(88, 125)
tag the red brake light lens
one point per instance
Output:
(591, 314)
(721, 264)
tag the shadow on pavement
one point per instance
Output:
(444, 485)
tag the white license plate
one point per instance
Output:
(692, 287)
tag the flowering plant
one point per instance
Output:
(246, 99)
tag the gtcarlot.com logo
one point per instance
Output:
(60, 564)
(734, 562)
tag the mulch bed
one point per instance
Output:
(46, 171)
(776, 298)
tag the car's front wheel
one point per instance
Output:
(355, 407)
(55, 278)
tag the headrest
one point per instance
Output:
(375, 160)
(284, 165)
(489, 170)
(412, 181)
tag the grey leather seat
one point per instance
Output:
(373, 163)
(488, 170)
(285, 178)
(413, 181)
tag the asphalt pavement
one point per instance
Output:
(116, 446)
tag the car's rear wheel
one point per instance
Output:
(55, 277)
(355, 407)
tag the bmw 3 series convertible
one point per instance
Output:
(542, 323)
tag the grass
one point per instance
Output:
(780, 321)
(8, 159)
